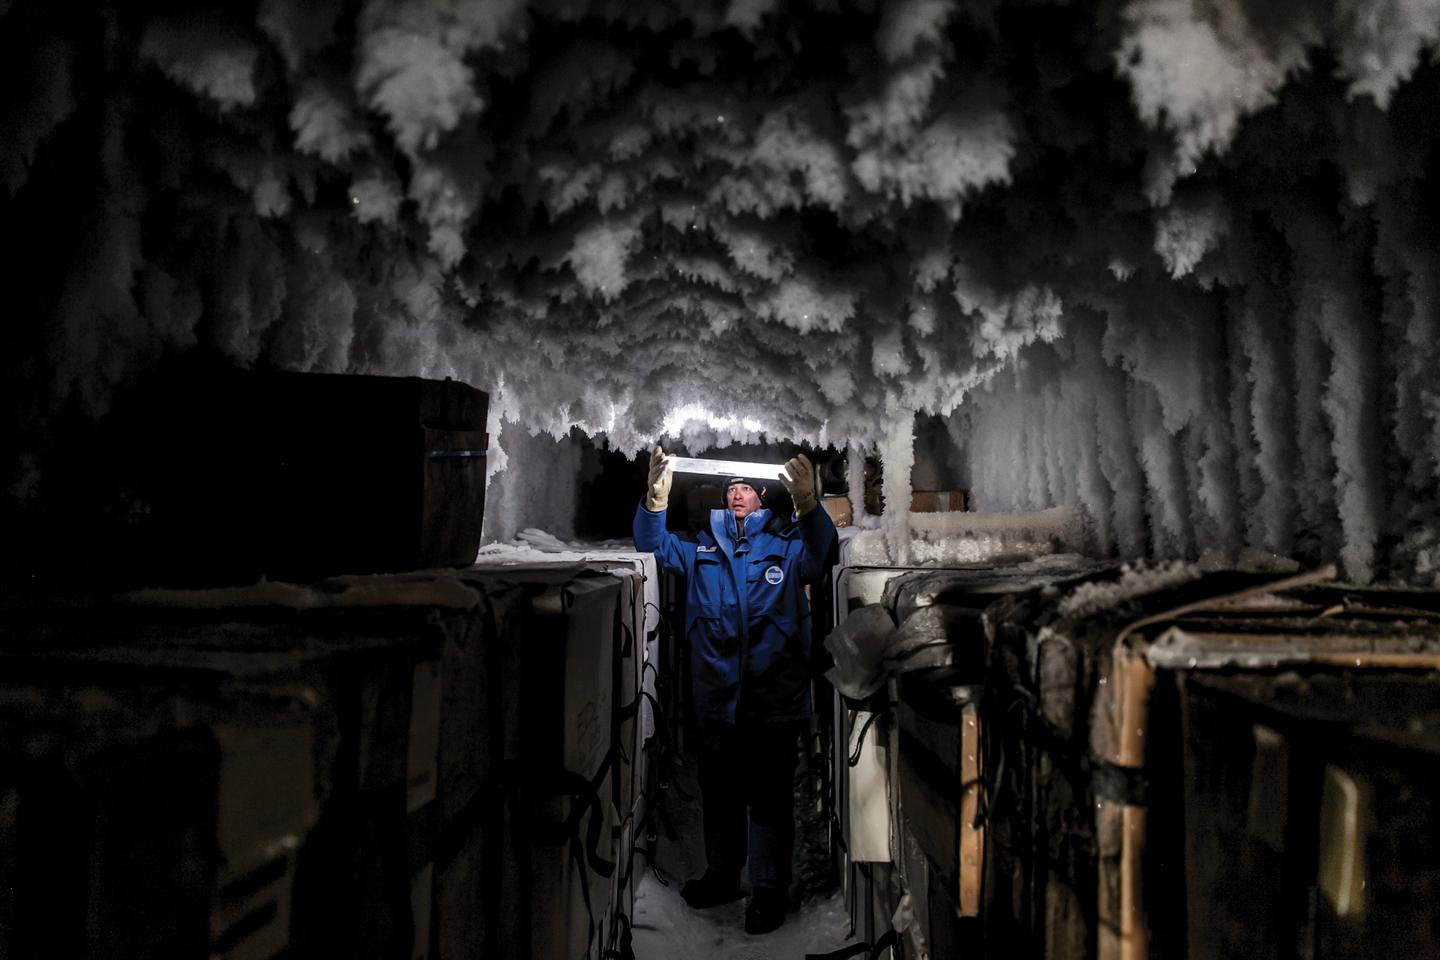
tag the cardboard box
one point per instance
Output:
(572, 683)
(108, 845)
(937, 501)
(153, 820)
(838, 506)
(310, 716)
(630, 664)
(566, 704)
(251, 919)
(620, 908)
(479, 717)
(265, 810)
(480, 905)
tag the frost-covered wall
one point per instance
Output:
(534, 482)
(1178, 254)
(1266, 380)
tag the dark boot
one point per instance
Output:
(711, 890)
(766, 910)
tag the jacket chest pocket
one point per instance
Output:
(766, 573)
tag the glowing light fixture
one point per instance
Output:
(727, 468)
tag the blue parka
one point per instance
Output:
(746, 614)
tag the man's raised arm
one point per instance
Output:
(816, 527)
(670, 551)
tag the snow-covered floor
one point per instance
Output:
(666, 929)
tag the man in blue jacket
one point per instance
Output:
(748, 623)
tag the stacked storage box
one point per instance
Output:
(1310, 723)
(435, 763)
(582, 876)
(1213, 765)
(425, 764)
(1053, 676)
(638, 627)
(569, 734)
(246, 761)
(910, 803)
(466, 840)
(130, 845)
(941, 711)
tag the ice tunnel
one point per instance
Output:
(1043, 287)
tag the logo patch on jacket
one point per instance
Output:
(706, 549)
(774, 575)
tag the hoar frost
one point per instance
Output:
(1159, 263)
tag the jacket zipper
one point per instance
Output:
(743, 605)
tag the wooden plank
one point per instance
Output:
(971, 833)
(1178, 649)
(1120, 828)
(1135, 681)
(1134, 933)
(1385, 661)
(1319, 575)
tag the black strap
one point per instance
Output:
(1126, 785)
(504, 788)
(585, 796)
(626, 949)
(660, 615)
(577, 858)
(888, 939)
(655, 808)
(628, 647)
(854, 758)
(631, 711)
(839, 833)
(816, 767)
(617, 673)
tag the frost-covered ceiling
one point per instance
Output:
(817, 218)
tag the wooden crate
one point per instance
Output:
(147, 821)
(567, 700)
(1214, 765)
(940, 783)
(304, 475)
(325, 708)
(1311, 827)
(839, 508)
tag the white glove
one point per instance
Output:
(657, 495)
(799, 479)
